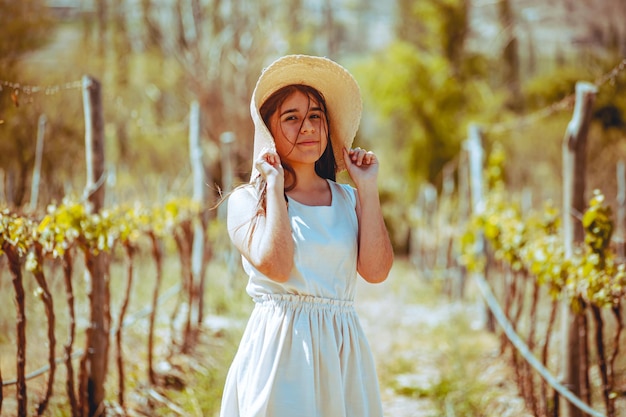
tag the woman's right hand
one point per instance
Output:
(268, 164)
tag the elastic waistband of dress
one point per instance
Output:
(306, 301)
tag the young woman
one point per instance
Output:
(304, 240)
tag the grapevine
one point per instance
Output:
(534, 244)
(590, 280)
(27, 242)
(70, 224)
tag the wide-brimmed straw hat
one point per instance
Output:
(337, 85)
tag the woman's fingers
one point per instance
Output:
(360, 157)
(269, 156)
(268, 163)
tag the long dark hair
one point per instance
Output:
(325, 166)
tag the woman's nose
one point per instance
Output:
(307, 126)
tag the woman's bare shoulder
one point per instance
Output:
(243, 194)
(241, 215)
(242, 204)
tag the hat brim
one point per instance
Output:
(334, 82)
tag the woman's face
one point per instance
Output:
(299, 130)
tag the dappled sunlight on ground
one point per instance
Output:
(433, 356)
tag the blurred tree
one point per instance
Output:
(323, 27)
(24, 26)
(153, 38)
(300, 31)
(541, 141)
(163, 56)
(101, 13)
(122, 50)
(222, 46)
(510, 55)
(427, 84)
(220, 53)
(331, 30)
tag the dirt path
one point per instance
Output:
(433, 357)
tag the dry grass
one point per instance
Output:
(433, 357)
(216, 344)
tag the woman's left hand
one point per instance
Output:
(362, 166)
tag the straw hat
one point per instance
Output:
(337, 85)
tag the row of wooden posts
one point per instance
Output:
(574, 202)
(440, 257)
(97, 335)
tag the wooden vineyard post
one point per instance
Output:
(94, 363)
(34, 189)
(621, 209)
(476, 159)
(464, 188)
(199, 197)
(445, 244)
(425, 209)
(227, 141)
(574, 147)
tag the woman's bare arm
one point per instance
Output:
(375, 251)
(264, 240)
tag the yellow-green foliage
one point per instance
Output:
(534, 244)
(71, 223)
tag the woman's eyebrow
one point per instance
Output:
(289, 111)
(296, 110)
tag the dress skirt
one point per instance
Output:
(302, 356)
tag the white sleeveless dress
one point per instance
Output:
(303, 352)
